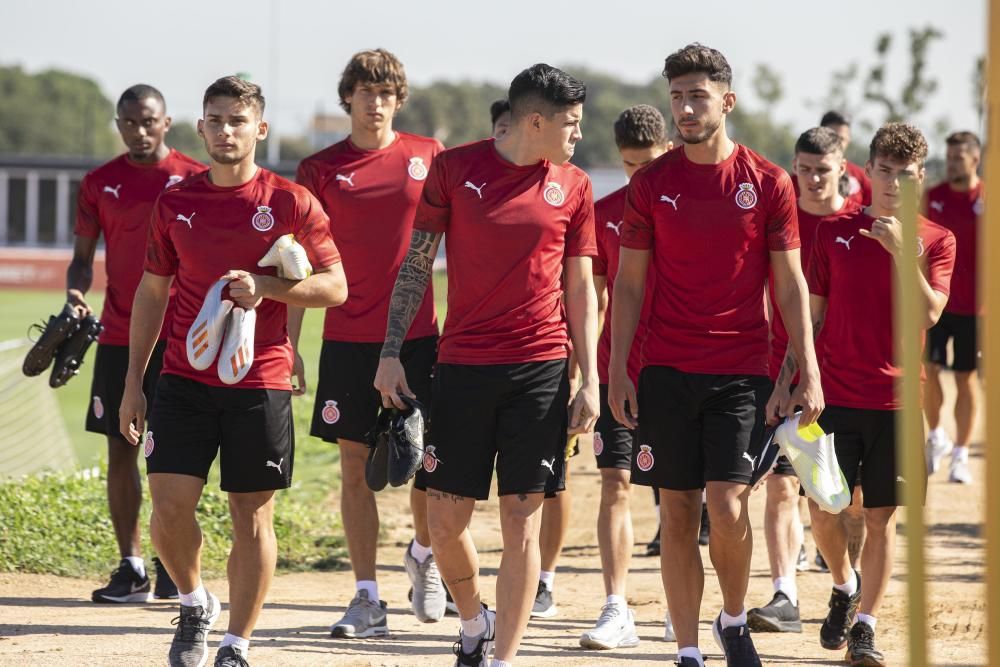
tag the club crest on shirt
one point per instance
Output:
(173, 180)
(148, 444)
(977, 207)
(331, 413)
(553, 194)
(417, 169)
(746, 198)
(430, 459)
(598, 443)
(98, 407)
(262, 219)
(644, 459)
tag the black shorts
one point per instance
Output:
(513, 415)
(191, 422)
(612, 441)
(696, 428)
(961, 328)
(867, 439)
(108, 385)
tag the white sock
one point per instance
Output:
(849, 588)
(787, 586)
(500, 663)
(419, 552)
(960, 453)
(237, 642)
(618, 601)
(196, 598)
(870, 620)
(137, 564)
(728, 621)
(370, 586)
(937, 433)
(691, 652)
(472, 629)
(547, 578)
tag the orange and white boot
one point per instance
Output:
(206, 332)
(237, 348)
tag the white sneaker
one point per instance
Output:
(938, 446)
(237, 348)
(615, 629)
(205, 335)
(959, 472)
(668, 629)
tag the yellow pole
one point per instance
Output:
(989, 252)
(910, 425)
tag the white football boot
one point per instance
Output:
(206, 332)
(811, 452)
(289, 257)
(237, 348)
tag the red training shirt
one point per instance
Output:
(855, 274)
(370, 197)
(959, 212)
(508, 231)
(116, 200)
(232, 228)
(710, 228)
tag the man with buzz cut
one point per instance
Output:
(369, 185)
(115, 202)
(641, 137)
(856, 263)
(712, 220)
(519, 221)
(209, 236)
(859, 186)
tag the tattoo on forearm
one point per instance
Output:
(791, 366)
(408, 293)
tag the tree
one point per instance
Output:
(767, 85)
(979, 87)
(916, 89)
(184, 137)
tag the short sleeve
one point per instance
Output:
(818, 275)
(941, 263)
(783, 216)
(637, 223)
(161, 255)
(434, 209)
(313, 232)
(306, 175)
(601, 261)
(581, 241)
(88, 220)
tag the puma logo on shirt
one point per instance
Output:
(113, 190)
(671, 201)
(846, 242)
(617, 228)
(347, 179)
(479, 190)
(187, 219)
(938, 206)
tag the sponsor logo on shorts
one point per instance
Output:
(553, 194)
(644, 459)
(751, 459)
(276, 466)
(598, 444)
(548, 464)
(331, 413)
(417, 169)
(746, 198)
(430, 459)
(98, 407)
(262, 220)
(148, 444)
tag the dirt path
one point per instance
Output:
(46, 620)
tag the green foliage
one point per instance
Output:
(917, 88)
(184, 137)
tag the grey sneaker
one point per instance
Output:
(429, 598)
(363, 618)
(190, 645)
(545, 606)
(230, 656)
(615, 629)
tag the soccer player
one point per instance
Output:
(115, 201)
(956, 205)
(819, 165)
(713, 219)
(369, 185)
(859, 186)
(519, 221)
(641, 137)
(852, 275)
(218, 225)
(500, 118)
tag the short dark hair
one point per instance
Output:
(819, 141)
(700, 59)
(832, 118)
(376, 66)
(497, 109)
(902, 142)
(967, 139)
(237, 88)
(640, 126)
(140, 91)
(544, 89)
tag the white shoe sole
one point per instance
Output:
(340, 632)
(588, 641)
(547, 613)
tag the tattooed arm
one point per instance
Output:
(790, 365)
(407, 295)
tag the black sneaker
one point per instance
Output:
(125, 586)
(59, 328)
(230, 656)
(480, 656)
(820, 562)
(544, 606)
(861, 651)
(736, 644)
(688, 662)
(837, 624)
(653, 548)
(69, 357)
(778, 615)
(189, 647)
(705, 526)
(165, 588)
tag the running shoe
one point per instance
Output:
(937, 447)
(615, 629)
(450, 609)
(689, 662)
(544, 606)
(706, 526)
(126, 585)
(736, 644)
(230, 656)
(959, 471)
(480, 656)
(802, 564)
(820, 562)
(653, 548)
(363, 618)
(165, 588)
(428, 592)
(190, 645)
(778, 615)
(833, 634)
(668, 629)
(861, 651)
